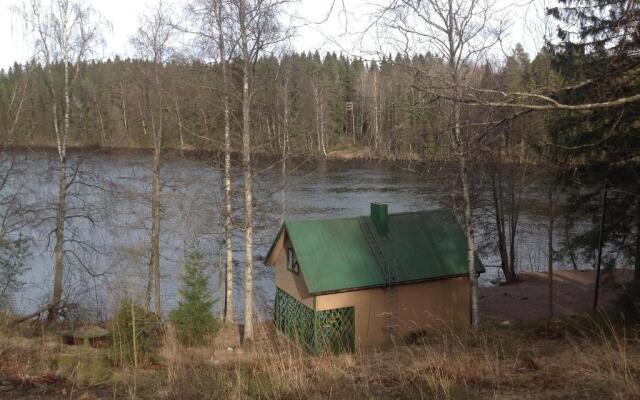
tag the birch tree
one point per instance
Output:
(66, 32)
(243, 21)
(15, 106)
(152, 42)
(459, 32)
(14, 247)
(285, 72)
(258, 30)
(212, 22)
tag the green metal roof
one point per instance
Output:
(349, 253)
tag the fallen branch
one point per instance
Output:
(27, 317)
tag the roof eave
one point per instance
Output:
(270, 258)
(353, 289)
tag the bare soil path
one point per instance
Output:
(526, 300)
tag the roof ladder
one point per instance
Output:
(376, 249)
(389, 271)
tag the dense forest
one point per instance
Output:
(335, 102)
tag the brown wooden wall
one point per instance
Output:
(420, 306)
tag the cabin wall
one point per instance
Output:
(420, 307)
(288, 281)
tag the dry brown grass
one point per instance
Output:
(521, 362)
(559, 360)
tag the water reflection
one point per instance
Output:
(115, 255)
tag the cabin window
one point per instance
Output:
(292, 261)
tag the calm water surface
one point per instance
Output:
(108, 230)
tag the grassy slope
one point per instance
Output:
(569, 359)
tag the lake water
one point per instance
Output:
(108, 233)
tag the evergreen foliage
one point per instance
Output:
(628, 303)
(134, 334)
(598, 58)
(12, 266)
(389, 115)
(193, 319)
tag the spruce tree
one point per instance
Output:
(598, 57)
(193, 319)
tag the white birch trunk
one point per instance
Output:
(228, 225)
(61, 141)
(246, 163)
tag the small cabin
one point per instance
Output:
(365, 281)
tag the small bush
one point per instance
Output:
(193, 319)
(133, 321)
(84, 368)
(4, 322)
(628, 303)
(13, 252)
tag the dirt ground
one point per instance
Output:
(527, 299)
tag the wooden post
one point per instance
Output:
(600, 245)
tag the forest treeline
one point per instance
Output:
(335, 102)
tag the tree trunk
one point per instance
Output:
(376, 132)
(124, 111)
(228, 208)
(56, 299)
(134, 334)
(285, 142)
(468, 220)
(550, 248)
(316, 98)
(322, 130)
(179, 126)
(61, 139)
(513, 226)
(103, 135)
(246, 163)
(157, 126)
(499, 211)
(636, 271)
(228, 225)
(319, 101)
(516, 202)
(155, 228)
(464, 177)
(600, 245)
(471, 254)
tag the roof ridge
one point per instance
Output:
(367, 215)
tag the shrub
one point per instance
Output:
(89, 367)
(5, 318)
(13, 253)
(628, 303)
(193, 319)
(133, 322)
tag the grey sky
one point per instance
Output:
(338, 32)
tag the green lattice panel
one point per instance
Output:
(316, 331)
(335, 330)
(295, 320)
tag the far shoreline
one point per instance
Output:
(363, 154)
